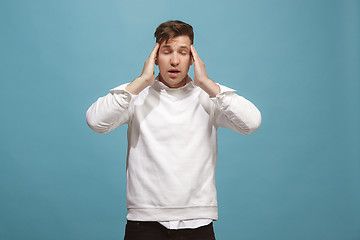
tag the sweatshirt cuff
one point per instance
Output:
(218, 99)
(123, 96)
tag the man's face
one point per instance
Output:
(174, 60)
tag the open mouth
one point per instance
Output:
(174, 72)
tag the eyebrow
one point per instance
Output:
(181, 47)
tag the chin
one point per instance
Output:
(174, 82)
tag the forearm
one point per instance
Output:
(147, 77)
(136, 86)
(210, 87)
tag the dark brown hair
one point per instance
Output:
(173, 28)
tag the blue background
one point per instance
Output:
(297, 177)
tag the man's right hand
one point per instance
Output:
(147, 77)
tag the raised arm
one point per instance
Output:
(201, 79)
(113, 110)
(147, 77)
(235, 112)
(232, 111)
(110, 111)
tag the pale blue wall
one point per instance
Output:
(296, 178)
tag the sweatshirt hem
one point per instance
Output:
(172, 214)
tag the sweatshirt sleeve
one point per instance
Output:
(235, 112)
(110, 111)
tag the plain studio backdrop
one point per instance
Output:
(297, 177)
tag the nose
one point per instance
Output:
(174, 60)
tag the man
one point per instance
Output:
(172, 144)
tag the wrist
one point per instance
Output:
(202, 81)
(209, 86)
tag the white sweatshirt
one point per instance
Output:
(172, 145)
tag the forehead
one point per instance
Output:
(180, 41)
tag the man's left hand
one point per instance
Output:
(201, 79)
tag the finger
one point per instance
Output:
(194, 53)
(154, 51)
(149, 63)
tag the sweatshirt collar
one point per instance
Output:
(158, 85)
